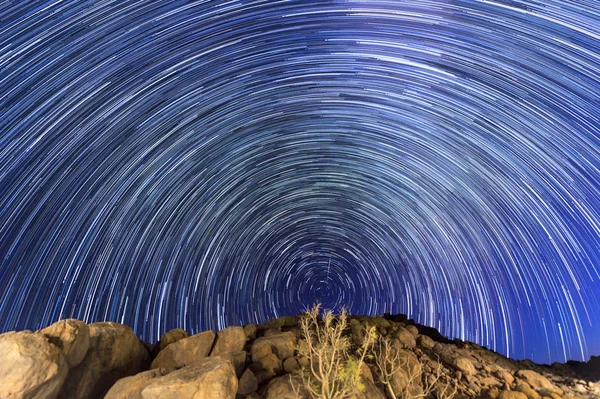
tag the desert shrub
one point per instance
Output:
(333, 371)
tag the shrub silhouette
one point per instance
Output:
(333, 372)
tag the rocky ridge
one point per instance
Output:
(71, 359)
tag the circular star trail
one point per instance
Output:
(199, 164)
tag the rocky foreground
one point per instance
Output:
(71, 360)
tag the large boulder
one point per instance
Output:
(185, 352)
(115, 352)
(408, 373)
(229, 340)
(506, 394)
(247, 383)
(169, 337)
(209, 378)
(132, 387)
(72, 337)
(286, 387)
(536, 380)
(370, 391)
(464, 365)
(281, 344)
(31, 367)
(405, 337)
(266, 367)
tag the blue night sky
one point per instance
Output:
(199, 164)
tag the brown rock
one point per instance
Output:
(185, 351)
(115, 352)
(31, 367)
(369, 391)
(266, 368)
(248, 383)
(281, 344)
(524, 387)
(250, 331)
(288, 321)
(229, 340)
(365, 372)
(405, 338)
(261, 351)
(170, 337)
(511, 395)
(492, 393)
(464, 365)
(270, 332)
(408, 375)
(358, 332)
(488, 382)
(535, 380)
(303, 361)
(425, 342)
(209, 378)
(285, 387)
(72, 337)
(412, 329)
(505, 376)
(132, 387)
(238, 359)
(291, 364)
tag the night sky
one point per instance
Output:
(200, 164)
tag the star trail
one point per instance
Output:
(200, 164)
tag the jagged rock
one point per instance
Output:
(408, 374)
(114, 352)
(170, 337)
(412, 329)
(288, 321)
(72, 337)
(238, 359)
(405, 337)
(209, 378)
(229, 340)
(358, 332)
(31, 367)
(285, 387)
(369, 391)
(505, 377)
(248, 383)
(488, 382)
(535, 380)
(492, 393)
(185, 351)
(281, 344)
(132, 387)
(250, 331)
(425, 342)
(261, 351)
(506, 394)
(303, 361)
(381, 323)
(291, 364)
(464, 365)
(365, 372)
(524, 387)
(266, 367)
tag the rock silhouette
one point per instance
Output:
(71, 359)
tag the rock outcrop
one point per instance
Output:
(31, 367)
(71, 359)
